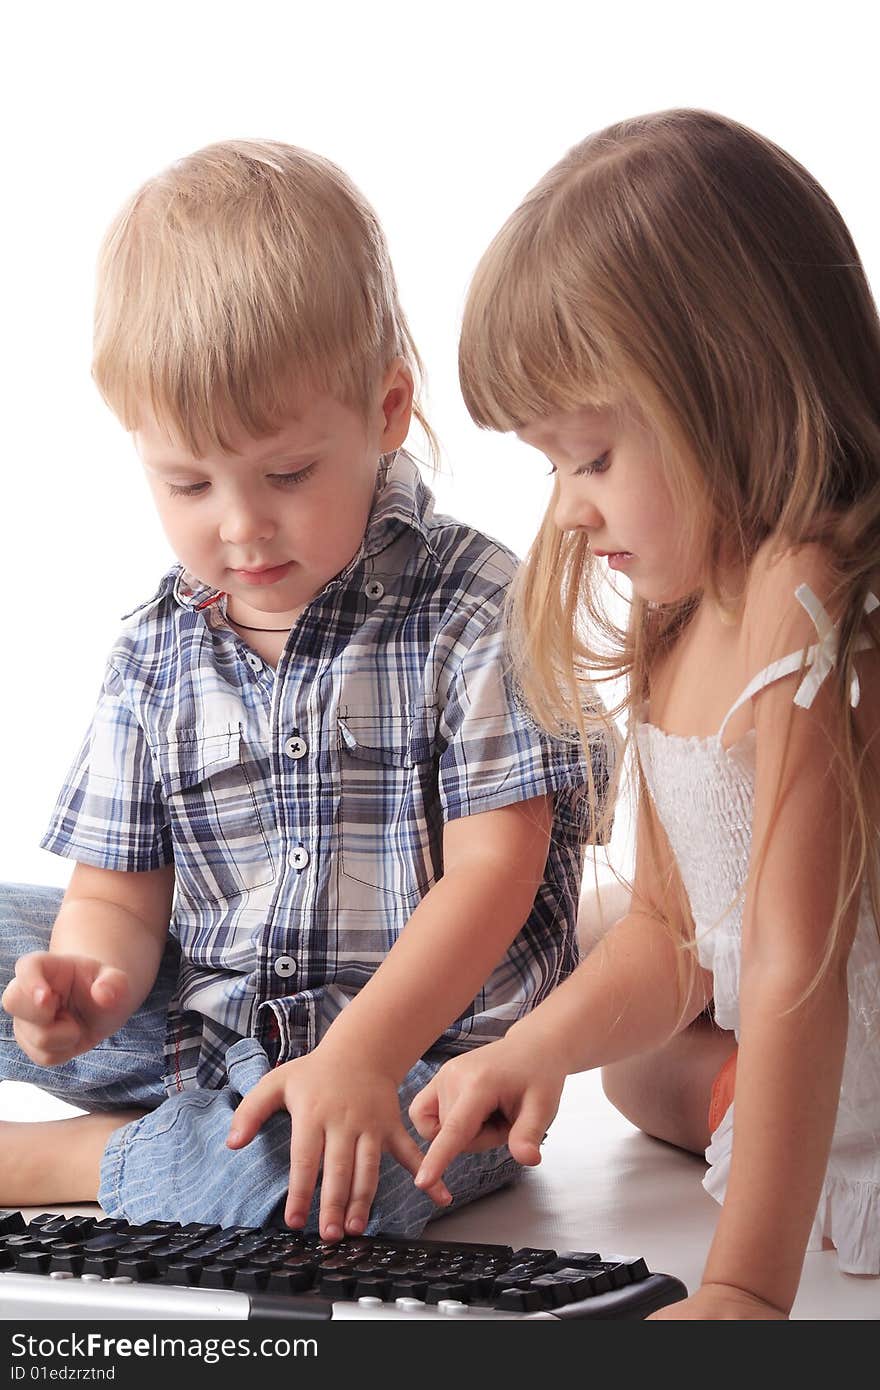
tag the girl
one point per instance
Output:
(677, 318)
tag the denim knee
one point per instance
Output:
(27, 915)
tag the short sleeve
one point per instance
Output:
(493, 755)
(110, 812)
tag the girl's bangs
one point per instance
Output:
(526, 350)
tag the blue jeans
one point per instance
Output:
(173, 1164)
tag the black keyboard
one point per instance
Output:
(78, 1267)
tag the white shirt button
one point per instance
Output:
(285, 966)
(375, 589)
(253, 661)
(296, 747)
(298, 858)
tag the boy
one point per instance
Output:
(304, 757)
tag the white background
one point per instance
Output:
(444, 115)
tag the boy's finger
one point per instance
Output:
(336, 1178)
(10, 997)
(49, 1047)
(43, 968)
(252, 1112)
(31, 991)
(36, 1006)
(108, 987)
(364, 1181)
(306, 1148)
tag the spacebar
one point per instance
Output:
(36, 1296)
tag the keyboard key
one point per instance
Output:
(556, 1289)
(510, 1281)
(408, 1289)
(535, 1259)
(60, 1226)
(20, 1246)
(519, 1301)
(618, 1273)
(636, 1267)
(109, 1240)
(477, 1287)
(33, 1262)
(185, 1272)
(578, 1280)
(138, 1267)
(217, 1276)
(438, 1292)
(370, 1286)
(68, 1259)
(295, 1262)
(250, 1279)
(289, 1281)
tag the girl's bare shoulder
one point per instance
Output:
(774, 621)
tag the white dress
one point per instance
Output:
(704, 795)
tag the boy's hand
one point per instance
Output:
(501, 1091)
(343, 1118)
(64, 1005)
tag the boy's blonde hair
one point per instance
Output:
(239, 280)
(684, 262)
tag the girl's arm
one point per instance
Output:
(791, 1052)
(623, 999)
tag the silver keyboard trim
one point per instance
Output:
(39, 1298)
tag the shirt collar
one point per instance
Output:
(402, 500)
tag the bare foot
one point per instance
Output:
(51, 1162)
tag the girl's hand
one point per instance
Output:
(64, 1005)
(721, 1303)
(343, 1117)
(501, 1091)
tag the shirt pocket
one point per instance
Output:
(390, 821)
(210, 782)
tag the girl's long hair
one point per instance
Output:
(685, 262)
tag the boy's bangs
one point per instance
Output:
(527, 348)
(206, 409)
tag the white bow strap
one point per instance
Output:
(823, 655)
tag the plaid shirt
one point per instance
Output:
(303, 808)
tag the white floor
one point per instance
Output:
(601, 1186)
